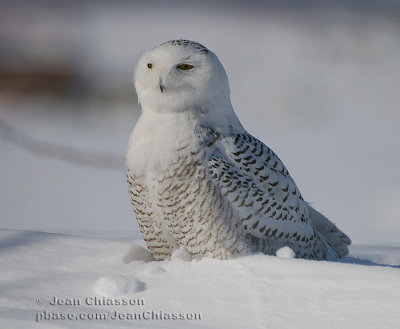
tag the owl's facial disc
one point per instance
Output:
(179, 67)
(180, 76)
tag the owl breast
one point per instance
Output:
(194, 211)
(173, 197)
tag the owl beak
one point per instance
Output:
(162, 87)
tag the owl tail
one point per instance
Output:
(336, 238)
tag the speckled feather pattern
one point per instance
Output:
(230, 197)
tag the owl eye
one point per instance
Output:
(149, 65)
(185, 67)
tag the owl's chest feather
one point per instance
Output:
(159, 141)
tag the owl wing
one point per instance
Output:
(270, 207)
(275, 178)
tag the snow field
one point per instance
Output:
(251, 292)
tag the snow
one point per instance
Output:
(251, 292)
(111, 286)
(181, 254)
(285, 252)
(137, 253)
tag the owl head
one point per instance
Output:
(182, 75)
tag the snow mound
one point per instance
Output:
(181, 254)
(111, 286)
(152, 269)
(137, 253)
(285, 252)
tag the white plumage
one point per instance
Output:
(199, 181)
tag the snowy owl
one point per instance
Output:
(199, 181)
